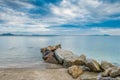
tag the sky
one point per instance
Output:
(60, 17)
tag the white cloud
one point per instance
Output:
(24, 4)
(19, 21)
(85, 11)
(80, 12)
(111, 31)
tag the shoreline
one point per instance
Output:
(39, 65)
(47, 74)
(34, 74)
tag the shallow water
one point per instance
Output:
(24, 51)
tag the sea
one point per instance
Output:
(24, 51)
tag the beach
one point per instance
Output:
(34, 74)
(46, 74)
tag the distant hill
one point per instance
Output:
(100, 35)
(7, 34)
(10, 34)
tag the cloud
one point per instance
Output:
(85, 11)
(51, 16)
(110, 31)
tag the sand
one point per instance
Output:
(34, 74)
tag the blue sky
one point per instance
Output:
(63, 17)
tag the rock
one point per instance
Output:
(115, 72)
(82, 59)
(93, 65)
(74, 60)
(84, 68)
(75, 71)
(48, 53)
(105, 65)
(112, 72)
(95, 76)
(109, 69)
(106, 72)
(53, 48)
(43, 50)
(117, 78)
(50, 48)
(107, 78)
(67, 58)
(62, 54)
(89, 76)
(50, 58)
(71, 60)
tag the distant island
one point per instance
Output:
(100, 35)
(12, 34)
(7, 34)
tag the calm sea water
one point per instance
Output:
(24, 51)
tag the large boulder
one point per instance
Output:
(61, 54)
(93, 65)
(75, 71)
(115, 72)
(82, 59)
(67, 58)
(105, 65)
(50, 58)
(106, 73)
(74, 60)
(112, 72)
(117, 78)
(48, 53)
(109, 69)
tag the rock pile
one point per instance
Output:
(80, 66)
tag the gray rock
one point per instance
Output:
(74, 60)
(69, 61)
(115, 72)
(61, 54)
(106, 72)
(112, 72)
(95, 76)
(84, 68)
(106, 78)
(82, 59)
(105, 65)
(117, 78)
(93, 65)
